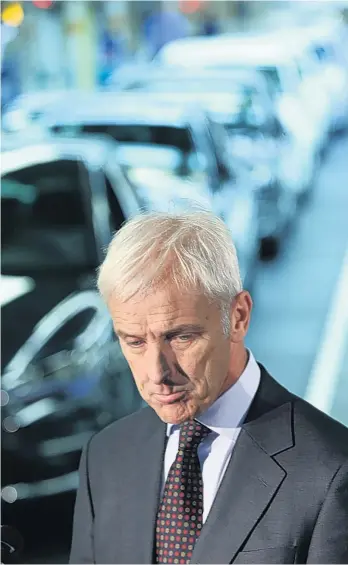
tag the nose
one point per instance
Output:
(158, 367)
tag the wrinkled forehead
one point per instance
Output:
(163, 308)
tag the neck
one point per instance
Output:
(238, 365)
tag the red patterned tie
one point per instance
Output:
(180, 515)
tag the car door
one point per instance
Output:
(71, 375)
(48, 242)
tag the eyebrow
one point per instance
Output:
(183, 328)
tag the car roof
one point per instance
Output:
(304, 36)
(247, 77)
(42, 100)
(31, 100)
(244, 50)
(94, 150)
(213, 102)
(121, 108)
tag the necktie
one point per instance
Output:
(180, 514)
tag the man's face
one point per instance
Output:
(176, 349)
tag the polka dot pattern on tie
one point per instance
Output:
(180, 515)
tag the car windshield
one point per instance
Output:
(272, 76)
(136, 133)
(250, 116)
(184, 83)
(43, 221)
(167, 148)
(270, 73)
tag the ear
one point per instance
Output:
(240, 316)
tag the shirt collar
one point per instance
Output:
(229, 410)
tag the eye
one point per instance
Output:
(185, 337)
(135, 344)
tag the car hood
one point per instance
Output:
(158, 188)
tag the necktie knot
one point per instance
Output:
(191, 435)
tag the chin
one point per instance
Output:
(176, 414)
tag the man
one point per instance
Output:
(210, 25)
(224, 465)
(162, 26)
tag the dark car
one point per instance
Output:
(63, 373)
(158, 136)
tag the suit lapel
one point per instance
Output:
(144, 460)
(252, 478)
(250, 483)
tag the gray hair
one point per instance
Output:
(192, 249)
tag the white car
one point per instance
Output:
(291, 75)
(23, 120)
(327, 45)
(169, 148)
(301, 105)
(27, 109)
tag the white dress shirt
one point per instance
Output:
(224, 418)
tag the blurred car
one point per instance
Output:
(240, 101)
(63, 373)
(327, 45)
(168, 147)
(302, 106)
(26, 109)
(23, 118)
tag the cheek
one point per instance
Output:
(136, 366)
(140, 380)
(197, 364)
(209, 366)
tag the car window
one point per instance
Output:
(44, 219)
(116, 212)
(217, 137)
(145, 134)
(273, 78)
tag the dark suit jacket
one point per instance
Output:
(283, 499)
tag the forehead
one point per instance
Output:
(165, 308)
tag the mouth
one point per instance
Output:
(170, 398)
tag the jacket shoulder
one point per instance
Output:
(117, 433)
(320, 430)
(316, 435)
(312, 428)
